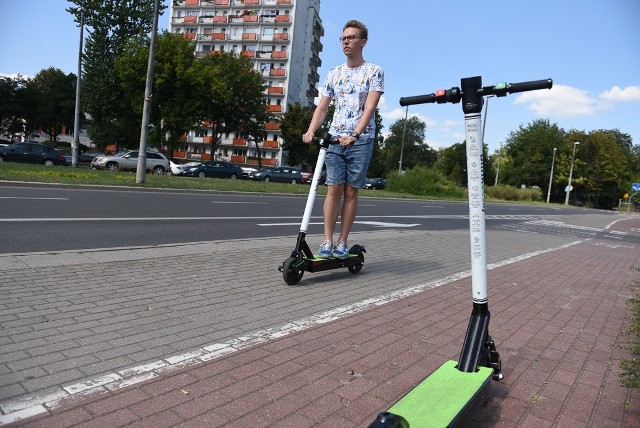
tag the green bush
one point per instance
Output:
(423, 182)
(510, 193)
(630, 373)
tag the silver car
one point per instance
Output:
(128, 161)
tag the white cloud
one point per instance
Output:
(630, 93)
(560, 101)
(565, 101)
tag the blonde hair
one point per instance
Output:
(364, 32)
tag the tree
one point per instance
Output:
(415, 152)
(53, 101)
(230, 93)
(293, 125)
(529, 152)
(110, 24)
(173, 111)
(12, 91)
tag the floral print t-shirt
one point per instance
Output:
(349, 87)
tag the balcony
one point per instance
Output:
(283, 19)
(277, 72)
(274, 108)
(218, 36)
(279, 54)
(209, 19)
(249, 36)
(270, 144)
(221, 2)
(193, 2)
(275, 90)
(238, 159)
(281, 36)
(251, 2)
(250, 18)
(248, 54)
(272, 126)
(239, 142)
(190, 19)
(189, 35)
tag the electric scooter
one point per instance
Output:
(446, 396)
(302, 258)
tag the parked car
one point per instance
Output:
(306, 177)
(217, 169)
(32, 153)
(87, 157)
(283, 174)
(128, 161)
(376, 183)
(177, 168)
(246, 171)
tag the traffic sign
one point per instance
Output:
(635, 187)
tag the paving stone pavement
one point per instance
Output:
(207, 334)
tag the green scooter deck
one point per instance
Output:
(442, 398)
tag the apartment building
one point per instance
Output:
(282, 37)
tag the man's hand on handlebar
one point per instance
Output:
(307, 137)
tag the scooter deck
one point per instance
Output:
(443, 398)
(319, 264)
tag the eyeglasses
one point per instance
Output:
(349, 38)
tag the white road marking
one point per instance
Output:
(20, 408)
(34, 199)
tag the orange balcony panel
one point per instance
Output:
(270, 162)
(207, 139)
(274, 108)
(282, 18)
(249, 54)
(276, 72)
(193, 2)
(220, 19)
(271, 144)
(237, 159)
(275, 90)
(272, 126)
(179, 154)
(283, 2)
(189, 35)
(183, 138)
(279, 54)
(248, 36)
(250, 18)
(281, 36)
(190, 19)
(216, 52)
(239, 142)
(251, 2)
(218, 36)
(222, 2)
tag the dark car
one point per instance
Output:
(32, 153)
(87, 157)
(376, 183)
(283, 174)
(218, 169)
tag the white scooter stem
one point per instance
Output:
(304, 226)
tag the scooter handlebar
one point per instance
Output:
(454, 94)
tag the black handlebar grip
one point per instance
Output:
(418, 99)
(530, 86)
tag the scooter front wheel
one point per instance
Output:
(292, 274)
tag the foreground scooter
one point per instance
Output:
(302, 258)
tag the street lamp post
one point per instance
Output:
(498, 168)
(566, 200)
(553, 160)
(404, 131)
(76, 123)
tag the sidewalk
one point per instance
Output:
(557, 303)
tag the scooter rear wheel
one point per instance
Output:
(290, 273)
(356, 267)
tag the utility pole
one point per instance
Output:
(75, 146)
(146, 112)
(566, 201)
(404, 131)
(553, 160)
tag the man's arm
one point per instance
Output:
(318, 117)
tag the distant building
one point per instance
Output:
(282, 37)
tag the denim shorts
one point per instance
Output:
(348, 164)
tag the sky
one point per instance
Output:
(590, 48)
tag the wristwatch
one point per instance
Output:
(355, 135)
